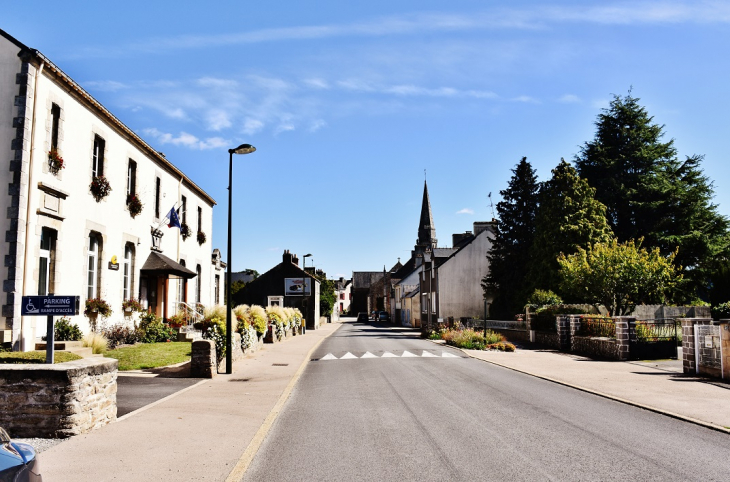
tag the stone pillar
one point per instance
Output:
(574, 327)
(625, 327)
(725, 348)
(203, 360)
(563, 326)
(689, 357)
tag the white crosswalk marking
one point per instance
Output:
(387, 354)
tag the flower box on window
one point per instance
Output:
(55, 161)
(100, 188)
(134, 205)
(185, 231)
(201, 237)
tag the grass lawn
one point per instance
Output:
(150, 355)
(36, 357)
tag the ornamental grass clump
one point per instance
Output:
(259, 320)
(96, 341)
(244, 326)
(276, 315)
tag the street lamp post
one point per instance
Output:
(304, 285)
(242, 149)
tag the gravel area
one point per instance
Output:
(40, 444)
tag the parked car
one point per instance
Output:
(383, 316)
(362, 317)
(18, 461)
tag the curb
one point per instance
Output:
(660, 411)
(258, 439)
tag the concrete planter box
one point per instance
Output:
(60, 400)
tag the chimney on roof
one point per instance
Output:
(459, 237)
(295, 259)
(287, 256)
(481, 226)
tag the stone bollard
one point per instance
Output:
(203, 360)
(623, 336)
(563, 327)
(725, 349)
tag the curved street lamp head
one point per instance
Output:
(242, 149)
(307, 255)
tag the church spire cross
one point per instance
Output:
(426, 228)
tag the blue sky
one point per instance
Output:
(348, 103)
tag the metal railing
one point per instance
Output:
(190, 313)
(656, 330)
(596, 327)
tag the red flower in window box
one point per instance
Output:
(55, 161)
(134, 205)
(100, 188)
(201, 237)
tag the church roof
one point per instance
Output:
(426, 228)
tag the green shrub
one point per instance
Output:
(544, 318)
(64, 330)
(471, 339)
(152, 330)
(543, 297)
(721, 311)
(121, 334)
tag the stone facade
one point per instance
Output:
(58, 401)
(689, 357)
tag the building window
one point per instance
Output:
(342, 296)
(217, 289)
(46, 261)
(128, 275)
(184, 210)
(198, 283)
(93, 270)
(131, 179)
(157, 198)
(97, 166)
(200, 219)
(182, 286)
(55, 122)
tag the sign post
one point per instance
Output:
(49, 306)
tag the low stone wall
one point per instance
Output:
(512, 335)
(596, 347)
(551, 340)
(203, 360)
(60, 400)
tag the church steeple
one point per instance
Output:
(426, 229)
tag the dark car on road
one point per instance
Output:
(362, 317)
(383, 316)
(18, 461)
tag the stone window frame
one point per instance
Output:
(100, 231)
(128, 271)
(198, 283)
(97, 158)
(182, 289)
(50, 102)
(54, 273)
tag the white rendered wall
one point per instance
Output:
(110, 217)
(460, 290)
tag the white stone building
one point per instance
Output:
(61, 239)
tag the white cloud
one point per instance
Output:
(316, 125)
(252, 126)
(526, 99)
(105, 85)
(569, 99)
(465, 211)
(317, 83)
(284, 127)
(218, 120)
(187, 140)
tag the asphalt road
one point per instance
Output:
(425, 416)
(135, 392)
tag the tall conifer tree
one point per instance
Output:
(568, 218)
(649, 193)
(509, 257)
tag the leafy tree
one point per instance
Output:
(327, 295)
(252, 272)
(509, 257)
(568, 218)
(649, 193)
(619, 275)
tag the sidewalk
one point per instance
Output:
(659, 386)
(199, 433)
